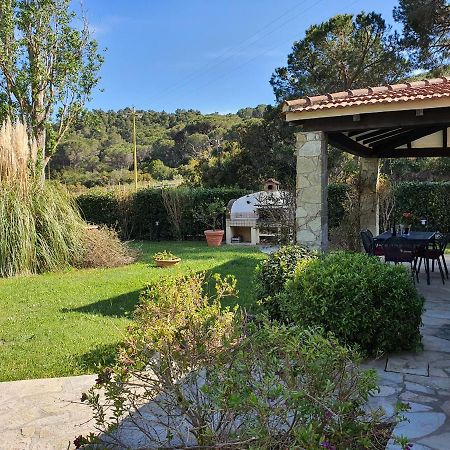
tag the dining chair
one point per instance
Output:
(370, 245)
(398, 249)
(435, 252)
(368, 242)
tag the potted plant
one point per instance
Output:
(211, 215)
(407, 220)
(166, 259)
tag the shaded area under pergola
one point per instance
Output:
(395, 121)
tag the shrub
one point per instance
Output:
(358, 298)
(273, 272)
(99, 207)
(103, 248)
(194, 374)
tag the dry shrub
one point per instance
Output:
(103, 248)
(346, 235)
(387, 201)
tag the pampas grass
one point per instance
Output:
(40, 226)
(18, 154)
(40, 229)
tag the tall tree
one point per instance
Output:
(426, 31)
(342, 53)
(48, 67)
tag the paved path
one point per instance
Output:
(39, 415)
(422, 379)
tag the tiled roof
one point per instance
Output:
(416, 90)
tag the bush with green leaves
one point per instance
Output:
(192, 373)
(358, 298)
(273, 272)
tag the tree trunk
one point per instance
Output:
(42, 159)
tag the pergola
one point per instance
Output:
(394, 121)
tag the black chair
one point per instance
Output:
(368, 242)
(401, 250)
(435, 252)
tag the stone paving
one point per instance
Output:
(422, 379)
(41, 415)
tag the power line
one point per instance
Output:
(264, 52)
(202, 72)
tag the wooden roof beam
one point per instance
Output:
(403, 139)
(343, 142)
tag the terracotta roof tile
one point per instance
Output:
(402, 92)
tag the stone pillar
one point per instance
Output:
(368, 197)
(312, 190)
(228, 234)
(254, 233)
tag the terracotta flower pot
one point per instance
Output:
(167, 262)
(214, 237)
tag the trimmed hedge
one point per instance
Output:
(425, 199)
(136, 215)
(142, 215)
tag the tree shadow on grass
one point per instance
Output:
(243, 268)
(101, 356)
(121, 306)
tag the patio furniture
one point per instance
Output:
(369, 244)
(420, 239)
(401, 250)
(435, 252)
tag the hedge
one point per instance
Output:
(142, 215)
(429, 200)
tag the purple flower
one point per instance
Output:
(327, 445)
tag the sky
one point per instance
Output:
(208, 55)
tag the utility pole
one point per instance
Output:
(135, 151)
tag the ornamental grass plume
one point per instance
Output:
(40, 226)
(18, 153)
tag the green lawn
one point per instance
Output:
(61, 324)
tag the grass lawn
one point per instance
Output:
(61, 324)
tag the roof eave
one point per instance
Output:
(373, 108)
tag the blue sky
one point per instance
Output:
(210, 55)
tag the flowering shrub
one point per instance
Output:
(194, 374)
(407, 218)
(360, 299)
(272, 274)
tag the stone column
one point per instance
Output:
(312, 190)
(254, 233)
(368, 197)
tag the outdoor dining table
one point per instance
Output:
(418, 238)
